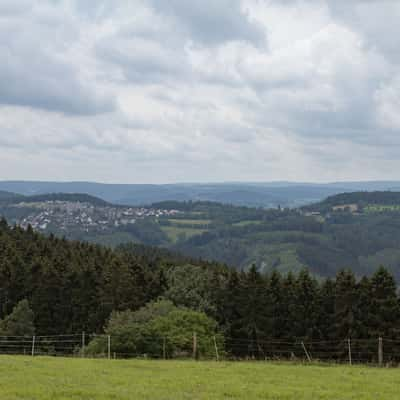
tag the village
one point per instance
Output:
(64, 215)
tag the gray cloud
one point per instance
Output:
(156, 91)
(376, 20)
(36, 69)
(10, 8)
(143, 61)
(212, 22)
(49, 85)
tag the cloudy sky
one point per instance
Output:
(157, 91)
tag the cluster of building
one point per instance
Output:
(66, 215)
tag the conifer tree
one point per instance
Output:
(231, 317)
(384, 305)
(275, 306)
(254, 305)
(326, 313)
(363, 311)
(306, 306)
(288, 307)
(346, 303)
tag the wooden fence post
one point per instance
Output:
(380, 352)
(109, 346)
(216, 349)
(349, 350)
(305, 351)
(164, 349)
(195, 353)
(83, 344)
(33, 345)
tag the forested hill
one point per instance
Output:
(8, 197)
(14, 198)
(74, 287)
(359, 199)
(268, 194)
(358, 230)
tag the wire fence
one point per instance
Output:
(379, 351)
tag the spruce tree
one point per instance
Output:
(231, 317)
(326, 312)
(253, 306)
(384, 306)
(306, 306)
(275, 306)
(346, 303)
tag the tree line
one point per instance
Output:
(73, 287)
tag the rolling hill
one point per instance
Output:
(359, 230)
(15, 198)
(268, 194)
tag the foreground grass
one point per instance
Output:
(57, 378)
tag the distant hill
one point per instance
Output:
(360, 199)
(359, 230)
(68, 284)
(359, 238)
(9, 197)
(269, 194)
(72, 197)
(15, 198)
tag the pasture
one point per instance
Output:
(175, 233)
(381, 208)
(41, 378)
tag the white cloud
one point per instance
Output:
(155, 91)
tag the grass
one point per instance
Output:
(174, 232)
(24, 378)
(247, 223)
(190, 221)
(376, 208)
(282, 256)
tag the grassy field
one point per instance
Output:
(247, 223)
(190, 221)
(73, 379)
(174, 232)
(376, 208)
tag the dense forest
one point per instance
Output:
(322, 238)
(361, 199)
(73, 287)
(352, 230)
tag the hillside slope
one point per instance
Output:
(352, 230)
(268, 194)
(325, 238)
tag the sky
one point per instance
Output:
(156, 91)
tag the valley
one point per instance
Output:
(359, 230)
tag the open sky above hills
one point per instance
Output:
(150, 91)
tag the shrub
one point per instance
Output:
(156, 327)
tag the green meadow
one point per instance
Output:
(55, 378)
(174, 233)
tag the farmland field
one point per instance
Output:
(174, 232)
(247, 223)
(60, 379)
(190, 221)
(377, 208)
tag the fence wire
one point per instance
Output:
(379, 351)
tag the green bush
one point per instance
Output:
(159, 326)
(19, 322)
